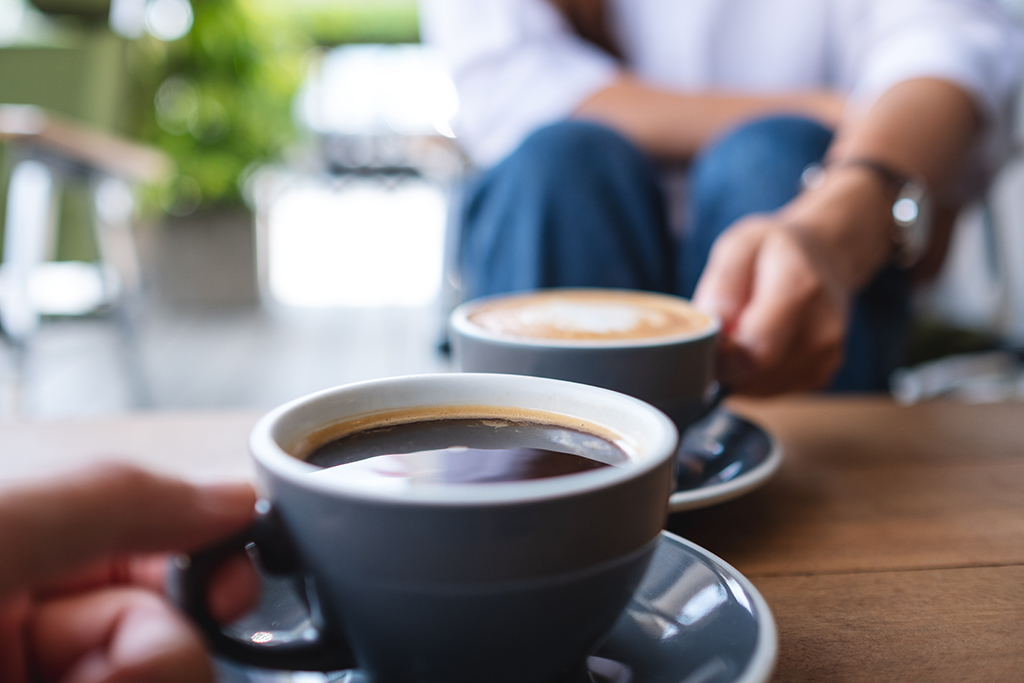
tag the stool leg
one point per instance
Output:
(31, 210)
(113, 206)
(30, 214)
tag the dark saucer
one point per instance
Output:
(721, 457)
(694, 618)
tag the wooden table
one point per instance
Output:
(890, 544)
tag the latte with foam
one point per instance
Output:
(589, 315)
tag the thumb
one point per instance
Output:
(726, 283)
(56, 526)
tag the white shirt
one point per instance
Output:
(517, 64)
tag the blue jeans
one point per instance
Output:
(578, 205)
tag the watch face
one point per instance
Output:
(905, 210)
(911, 210)
(909, 206)
(911, 214)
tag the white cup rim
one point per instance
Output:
(460, 322)
(652, 435)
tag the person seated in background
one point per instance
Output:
(81, 576)
(749, 154)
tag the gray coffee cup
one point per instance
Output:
(455, 583)
(668, 364)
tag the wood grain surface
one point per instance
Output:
(922, 625)
(890, 544)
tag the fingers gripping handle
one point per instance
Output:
(188, 582)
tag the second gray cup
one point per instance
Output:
(655, 347)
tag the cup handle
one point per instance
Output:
(717, 393)
(187, 583)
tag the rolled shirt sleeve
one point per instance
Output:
(973, 44)
(517, 66)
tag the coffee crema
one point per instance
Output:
(462, 451)
(589, 315)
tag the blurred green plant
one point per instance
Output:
(337, 22)
(217, 100)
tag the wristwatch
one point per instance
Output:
(911, 205)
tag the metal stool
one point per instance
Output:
(43, 153)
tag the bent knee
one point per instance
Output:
(765, 156)
(567, 146)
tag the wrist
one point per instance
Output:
(848, 219)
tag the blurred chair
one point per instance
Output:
(44, 152)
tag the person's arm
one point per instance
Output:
(782, 283)
(674, 125)
(81, 575)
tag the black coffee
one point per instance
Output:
(465, 451)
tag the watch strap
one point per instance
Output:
(911, 209)
(891, 179)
